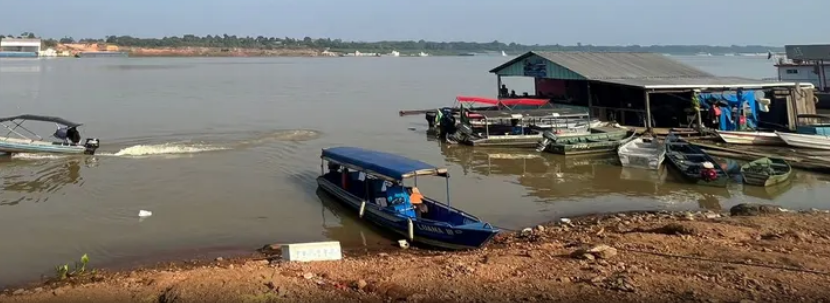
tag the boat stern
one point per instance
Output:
(91, 145)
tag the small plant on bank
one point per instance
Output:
(62, 271)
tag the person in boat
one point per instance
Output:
(416, 198)
(398, 198)
(447, 125)
(503, 91)
(513, 94)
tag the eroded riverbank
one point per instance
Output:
(766, 256)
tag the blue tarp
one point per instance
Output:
(389, 165)
(731, 98)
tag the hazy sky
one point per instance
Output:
(609, 22)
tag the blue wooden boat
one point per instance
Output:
(69, 139)
(372, 184)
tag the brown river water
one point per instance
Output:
(224, 153)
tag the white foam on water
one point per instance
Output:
(165, 149)
(25, 156)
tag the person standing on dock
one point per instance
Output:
(503, 91)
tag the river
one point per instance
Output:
(224, 153)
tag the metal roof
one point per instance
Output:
(710, 82)
(646, 70)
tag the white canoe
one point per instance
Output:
(806, 141)
(750, 137)
(640, 153)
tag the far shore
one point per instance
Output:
(754, 253)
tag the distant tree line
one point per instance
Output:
(261, 42)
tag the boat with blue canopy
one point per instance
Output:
(67, 135)
(372, 184)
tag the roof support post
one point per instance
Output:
(590, 102)
(498, 86)
(648, 113)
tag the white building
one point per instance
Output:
(20, 45)
(789, 71)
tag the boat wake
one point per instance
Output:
(165, 149)
(187, 147)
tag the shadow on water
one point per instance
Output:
(352, 231)
(553, 177)
(27, 181)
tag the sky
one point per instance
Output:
(567, 22)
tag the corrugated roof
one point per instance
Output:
(623, 65)
(710, 82)
(646, 70)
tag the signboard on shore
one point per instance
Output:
(319, 251)
(808, 52)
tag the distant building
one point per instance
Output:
(20, 45)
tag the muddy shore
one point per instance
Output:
(753, 254)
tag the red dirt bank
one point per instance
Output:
(624, 258)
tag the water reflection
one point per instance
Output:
(28, 181)
(351, 232)
(554, 177)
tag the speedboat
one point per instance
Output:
(67, 135)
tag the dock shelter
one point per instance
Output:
(652, 90)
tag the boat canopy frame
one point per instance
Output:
(382, 165)
(28, 117)
(532, 115)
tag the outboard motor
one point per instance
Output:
(431, 119)
(547, 138)
(91, 145)
(447, 125)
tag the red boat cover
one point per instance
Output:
(507, 102)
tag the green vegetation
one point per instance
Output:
(62, 271)
(271, 43)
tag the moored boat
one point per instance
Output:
(813, 135)
(599, 141)
(750, 137)
(766, 172)
(694, 164)
(67, 133)
(642, 152)
(519, 128)
(372, 184)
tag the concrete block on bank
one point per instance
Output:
(317, 251)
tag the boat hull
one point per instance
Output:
(640, 154)
(766, 172)
(806, 141)
(437, 235)
(750, 138)
(686, 159)
(13, 146)
(597, 143)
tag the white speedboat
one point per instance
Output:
(67, 135)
